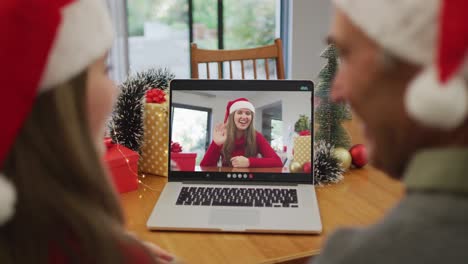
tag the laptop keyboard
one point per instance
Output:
(248, 197)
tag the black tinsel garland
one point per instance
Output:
(327, 168)
(126, 125)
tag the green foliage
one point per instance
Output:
(138, 12)
(302, 124)
(206, 13)
(329, 116)
(175, 14)
(171, 12)
(249, 23)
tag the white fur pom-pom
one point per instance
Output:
(7, 199)
(434, 104)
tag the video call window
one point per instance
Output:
(241, 131)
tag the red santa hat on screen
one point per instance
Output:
(431, 33)
(46, 43)
(237, 104)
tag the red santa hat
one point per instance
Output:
(237, 104)
(431, 33)
(47, 43)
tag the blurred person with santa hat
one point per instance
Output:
(403, 71)
(57, 204)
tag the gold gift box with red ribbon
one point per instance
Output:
(154, 149)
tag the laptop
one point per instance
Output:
(271, 196)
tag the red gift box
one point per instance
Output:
(185, 161)
(124, 175)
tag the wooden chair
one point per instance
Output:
(274, 51)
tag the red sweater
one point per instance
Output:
(131, 254)
(269, 157)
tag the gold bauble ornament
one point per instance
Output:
(295, 167)
(344, 157)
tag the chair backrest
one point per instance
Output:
(203, 56)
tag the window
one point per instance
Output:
(277, 135)
(158, 35)
(191, 128)
(160, 31)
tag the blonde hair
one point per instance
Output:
(65, 198)
(229, 144)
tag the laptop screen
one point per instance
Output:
(241, 130)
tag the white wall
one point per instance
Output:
(310, 23)
(218, 105)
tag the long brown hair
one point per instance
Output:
(65, 198)
(229, 144)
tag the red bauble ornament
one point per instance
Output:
(359, 155)
(307, 167)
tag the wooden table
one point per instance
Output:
(362, 198)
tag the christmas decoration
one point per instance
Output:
(328, 115)
(176, 147)
(302, 147)
(302, 144)
(122, 163)
(358, 155)
(156, 78)
(155, 96)
(126, 125)
(343, 157)
(327, 167)
(184, 161)
(295, 167)
(307, 168)
(303, 124)
(154, 149)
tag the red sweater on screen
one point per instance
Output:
(269, 157)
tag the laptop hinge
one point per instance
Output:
(240, 183)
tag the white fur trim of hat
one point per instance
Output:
(84, 36)
(241, 104)
(409, 29)
(7, 199)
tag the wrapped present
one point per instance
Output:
(154, 149)
(302, 149)
(184, 161)
(122, 163)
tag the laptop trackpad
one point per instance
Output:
(234, 217)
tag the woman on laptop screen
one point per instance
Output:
(237, 142)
